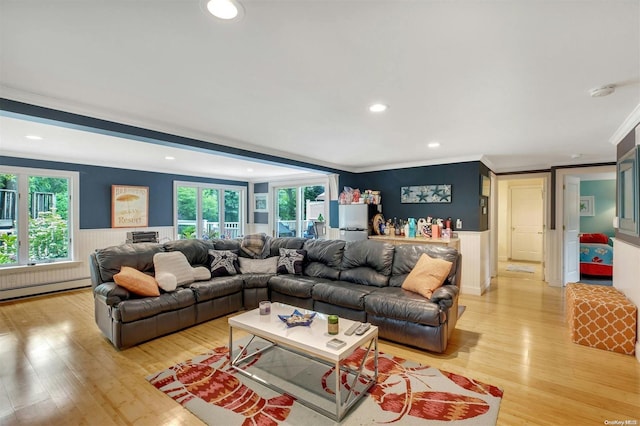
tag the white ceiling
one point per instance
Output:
(503, 81)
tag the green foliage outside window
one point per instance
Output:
(8, 249)
(48, 237)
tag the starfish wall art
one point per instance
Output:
(426, 194)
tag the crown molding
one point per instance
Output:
(626, 127)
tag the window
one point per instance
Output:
(297, 208)
(35, 216)
(208, 211)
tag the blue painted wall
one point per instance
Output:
(465, 181)
(604, 193)
(95, 189)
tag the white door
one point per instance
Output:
(571, 229)
(527, 224)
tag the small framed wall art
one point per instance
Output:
(260, 203)
(129, 206)
(587, 207)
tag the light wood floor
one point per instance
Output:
(57, 369)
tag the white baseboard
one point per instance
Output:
(42, 289)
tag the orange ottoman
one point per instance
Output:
(601, 317)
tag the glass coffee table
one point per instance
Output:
(297, 361)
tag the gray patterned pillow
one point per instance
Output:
(223, 262)
(291, 260)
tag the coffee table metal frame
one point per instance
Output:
(309, 342)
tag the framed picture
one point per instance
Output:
(587, 207)
(486, 186)
(425, 194)
(129, 206)
(260, 203)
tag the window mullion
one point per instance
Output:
(23, 219)
(221, 222)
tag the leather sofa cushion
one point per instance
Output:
(292, 285)
(138, 256)
(216, 287)
(256, 280)
(136, 309)
(367, 262)
(112, 293)
(342, 293)
(224, 244)
(196, 251)
(285, 242)
(403, 305)
(320, 270)
(328, 252)
(407, 255)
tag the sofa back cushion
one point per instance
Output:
(407, 255)
(367, 262)
(224, 244)
(286, 243)
(138, 256)
(196, 251)
(323, 258)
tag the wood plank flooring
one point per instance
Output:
(57, 369)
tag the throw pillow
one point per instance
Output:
(291, 260)
(258, 266)
(200, 273)
(427, 275)
(222, 262)
(136, 282)
(175, 263)
(253, 245)
(167, 281)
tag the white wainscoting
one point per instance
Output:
(476, 262)
(39, 279)
(626, 270)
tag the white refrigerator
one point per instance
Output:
(353, 221)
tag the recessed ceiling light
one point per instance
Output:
(378, 107)
(433, 144)
(250, 170)
(34, 137)
(224, 9)
(168, 157)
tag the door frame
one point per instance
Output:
(500, 198)
(557, 273)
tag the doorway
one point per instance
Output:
(521, 227)
(593, 213)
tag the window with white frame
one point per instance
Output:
(297, 209)
(36, 216)
(208, 211)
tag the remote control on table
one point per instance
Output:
(362, 329)
(352, 329)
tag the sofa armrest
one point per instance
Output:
(112, 293)
(445, 296)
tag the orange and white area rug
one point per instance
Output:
(406, 393)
